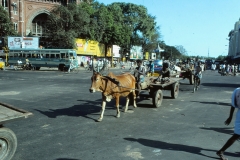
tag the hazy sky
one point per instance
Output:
(200, 26)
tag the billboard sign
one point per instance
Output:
(23, 42)
(90, 47)
(115, 51)
(136, 52)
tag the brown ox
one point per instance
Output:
(114, 86)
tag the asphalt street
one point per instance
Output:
(64, 125)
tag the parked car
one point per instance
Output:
(157, 66)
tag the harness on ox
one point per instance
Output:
(117, 83)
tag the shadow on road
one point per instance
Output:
(67, 159)
(226, 130)
(84, 109)
(220, 85)
(177, 147)
(216, 103)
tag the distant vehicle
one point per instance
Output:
(208, 63)
(158, 65)
(59, 58)
(2, 64)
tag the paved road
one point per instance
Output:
(64, 128)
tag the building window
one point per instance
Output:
(38, 28)
(15, 26)
(14, 8)
(5, 3)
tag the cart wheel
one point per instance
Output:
(175, 90)
(157, 98)
(8, 143)
(191, 79)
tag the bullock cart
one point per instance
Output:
(8, 140)
(188, 74)
(155, 89)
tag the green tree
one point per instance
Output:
(137, 24)
(6, 26)
(151, 43)
(65, 23)
(221, 57)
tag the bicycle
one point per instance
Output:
(29, 67)
(196, 82)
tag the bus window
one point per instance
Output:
(52, 55)
(28, 55)
(57, 55)
(67, 56)
(62, 55)
(23, 55)
(34, 55)
(47, 55)
(15, 55)
(20, 55)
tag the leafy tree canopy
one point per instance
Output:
(6, 26)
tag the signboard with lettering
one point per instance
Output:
(89, 47)
(23, 42)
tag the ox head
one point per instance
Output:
(96, 82)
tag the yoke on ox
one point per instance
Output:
(114, 86)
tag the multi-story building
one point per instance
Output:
(234, 43)
(29, 16)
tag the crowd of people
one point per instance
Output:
(228, 69)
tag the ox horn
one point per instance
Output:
(103, 68)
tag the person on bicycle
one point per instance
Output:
(198, 73)
(27, 64)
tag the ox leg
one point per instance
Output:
(134, 99)
(127, 102)
(117, 107)
(102, 112)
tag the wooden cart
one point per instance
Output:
(188, 74)
(8, 140)
(155, 89)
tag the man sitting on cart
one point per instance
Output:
(164, 75)
(139, 74)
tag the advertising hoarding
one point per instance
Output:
(23, 42)
(115, 51)
(136, 52)
(89, 47)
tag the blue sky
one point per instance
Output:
(200, 26)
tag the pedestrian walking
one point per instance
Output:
(151, 68)
(235, 104)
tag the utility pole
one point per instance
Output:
(208, 52)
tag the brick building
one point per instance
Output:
(30, 15)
